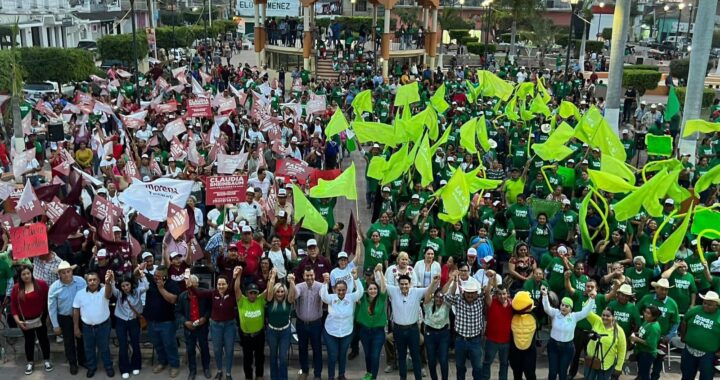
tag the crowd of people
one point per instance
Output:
(528, 270)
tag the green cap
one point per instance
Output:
(567, 301)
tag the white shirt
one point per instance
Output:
(278, 262)
(406, 308)
(94, 307)
(144, 134)
(251, 212)
(483, 279)
(563, 326)
(341, 312)
(212, 216)
(338, 274)
(419, 272)
(392, 274)
(264, 185)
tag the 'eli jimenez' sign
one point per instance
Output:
(275, 8)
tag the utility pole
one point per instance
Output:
(135, 53)
(621, 21)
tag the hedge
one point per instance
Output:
(642, 80)
(679, 68)
(57, 64)
(591, 46)
(6, 57)
(119, 47)
(468, 40)
(607, 34)
(707, 99)
(479, 48)
(458, 34)
(641, 67)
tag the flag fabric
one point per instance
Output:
(538, 106)
(423, 162)
(304, 210)
(550, 208)
(438, 99)
(375, 132)
(609, 182)
(706, 220)
(407, 94)
(582, 218)
(67, 224)
(337, 123)
(595, 131)
(612, 165)
(659, 145)
(362, 103)
(645, 196)
(351, 236)
(542, 90)
(567, 175)
(396, 165)
(666, 252)
(712, 177)
(510, 109)
(467, 135)
(673, 105)
(28, 206)
(482, 134)
(568, 109)
(554, 148)
(377, 167)
(456, 198)
(154, 197)
(491, 85)
(344, 185)
(702, 126)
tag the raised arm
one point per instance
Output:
(582, 314)
(549, 310)
(109, 281)
(271, 283)
(380, 278)
(237, 276)
(291, 288)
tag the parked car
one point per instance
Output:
(36, 91)
(248, 41)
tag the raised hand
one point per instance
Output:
(291, 277)
(326, 278)
(354, 273)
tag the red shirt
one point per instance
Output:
(498, 322)
(285, 234)
(251, 253)
(33, 305)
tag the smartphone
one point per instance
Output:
(187, 273)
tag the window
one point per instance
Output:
(361, 6)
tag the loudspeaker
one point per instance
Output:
(55, 132)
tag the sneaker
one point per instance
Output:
(125, 375)
(29, 368)
(389, 368)
(58, 339)
(48, 366)
(136, 372)
(424, 372)
(159, 368)
(174, 372)
(368, 376)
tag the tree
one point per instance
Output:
(119, 47)
(542, 36)
(642, 80)
(57, 64)
(449, 18)
(519, 10)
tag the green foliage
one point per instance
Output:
(592, 46)
(707, 99)
(468, 39)
(642, 80)
(183, 36)
(607, 34)
(458, 34)
(641, 67)
(57, 64)
(479, 48)
(505, 38)
(449, 18)
(119, 47)
(6, 65)
(679, 68)
(716, 38)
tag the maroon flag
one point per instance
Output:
(55, 209)
(46, 193)
(190, 233)
(114, 214)
(177, 220)
(61, 169)
(145, 222)
(100, 207)
(135, 247)
(298, 226)
(327, 175)
(68, 223)
(196, 251)
(351, 236)
(75, 189)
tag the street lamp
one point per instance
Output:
(352, 8)
(135, 53)
(488, 9)
(666, 8)
(677, 31)
(570, 37)
(601, 5)
(462, 2)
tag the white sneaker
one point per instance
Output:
(125, 376)
(389, 368)
(48, 366)
(58, 339)
(136, 372)
(29, 368)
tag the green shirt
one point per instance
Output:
(455, 243)
(566, 221)
(640, 282)
(378, 318)
(278, 314)
(556, 276)
(251, 314)
(668, 309)
(519, 214)
(375, 255)
(650, 333)
(580, 299)
(697, 269)
(388, 234)
(702, 329)
(533, 288)
(684, 286)
(5, 273)
(626, 315)
(437, 244)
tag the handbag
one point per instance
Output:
(141, 319)
(30, 323)
(594, 361)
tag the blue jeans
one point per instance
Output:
(337, 353)
(691, 365)
(97, 338)
(468, 349)
(598, 374)
(279, 343)
(645, 363)
(311, 332)
(502, 350)
(162, 337)
(124, 330)
(372, 340)
(436, 347)
(223, 338)
(560, 355)
(408, 338)
(197, 338)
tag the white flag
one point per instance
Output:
(153, 197)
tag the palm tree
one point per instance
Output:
(449, 18)
(702, 40)
(586, 12)
(520, 10)
(542, 35)
(621, 27)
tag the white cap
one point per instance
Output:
(585, 162)
(342, 255)
(545, 128)
(116, 229)
(487, 195)
(101, 254)
(282, 193)
(174, 254)
(562, 250)
(415, 196)
(145, 255)
(376, 145)
(669, 201)
(653, 106)
(250, 190)
(293, 139)
(566, 201)
(311, 243)
(101, 190)
(472, 252)
(642, 103)
(625, 131)
(145, 156)
(386, 189)
(281, 214)
(571, 160)
(496, 203)
(246, 229)
(443, 182)
(451, 158)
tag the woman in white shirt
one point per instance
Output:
(339, 322)
(425, 270)
(127, 322)
(561, 347)
(402, 267)
(172, 170)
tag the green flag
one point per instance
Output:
(595, 131)
(510, 109)
(304, 209)
(659, 145)
(704, 220)
(337, 123)
(438, 100)
(456, 198)
(442, 140)
(567, 175)
(491, 85)
(482, 134)
(382, 133)
(543, 91)
(396, 165)
(568, 109)
(554, 148)
(343, 185)
(612, 165)
(710, 178)
(538, 106)
(609, 182)
(377, 167)
(407, 94)
(423, 162)
(646, 196)
(550, 208)
(467, 135)
(666, 252)
(524, 89)
(701, 126)
(363, 102)
(673, 105)
(584, 230)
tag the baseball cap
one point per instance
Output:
(101, 190)
(386, 189)
(342, 255)
(487, 195)
(472, 252)
(250, 190)
(253, 288)
(116, 229)
(146, 255)
(368, 271)
(415, 196)
(566, 201)
(232, 246)
(101, 254)
(246, 229)
(174, 255)
(294, 139)
(311, 243)
(376, 145)
(625, 131)
(670, 201)
(282, 193)
(281, 214)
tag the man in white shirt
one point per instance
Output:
(486, 269)
(280, 257)
(91, 319)
(262, 179)
(249, 211)
(405, 301)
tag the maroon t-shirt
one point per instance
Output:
(177, 274)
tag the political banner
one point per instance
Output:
(55, 209)
(177, 220)
(275, 8)
(227, 105)
(166, 107)
(68, 223)
(153, 197)
(290, 167)
(198, 107)
(221, 190)
(135, 120)
(174, 128)
(29, 240)
(28, 206)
